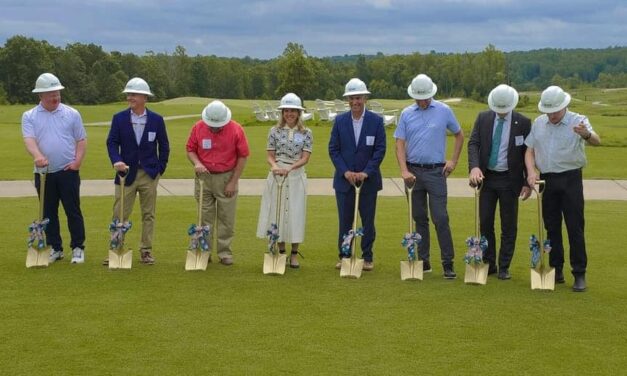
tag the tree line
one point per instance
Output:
(93, 76)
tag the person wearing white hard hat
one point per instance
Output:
(55, 137)
(139, 148)
(496, 160)
(357, 147)
(556, 148)
(218, 149)
(288, 149)
(421, 154)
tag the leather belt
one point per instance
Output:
(427, 166)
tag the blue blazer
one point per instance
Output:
(151, 154)
(347, 155)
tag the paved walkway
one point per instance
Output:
(593, 189)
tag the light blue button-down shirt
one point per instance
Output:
(139, 123)
(56, 133)
(357, 125)
(557, 147)
(501, 162)
(424, 131)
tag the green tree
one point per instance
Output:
(295, 72)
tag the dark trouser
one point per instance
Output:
(367, 207)
(497, 188)
(563, 195)
(431, 183)
(63, 186)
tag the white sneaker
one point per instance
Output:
(55, 255)
(78, 256)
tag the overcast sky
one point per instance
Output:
(262, 29)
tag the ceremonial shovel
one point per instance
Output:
(119, 256)
(542, 275)
(352, 266)
(476, 269)
(273, 260)
(412, 268)
(198, 252)
(38, 251)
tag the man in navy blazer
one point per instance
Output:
(357, 147)
(138, 147)
(496, 159)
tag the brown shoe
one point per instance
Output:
(294, 260)
(146, 258)
(368, 266)
(105, 262)
(227, 260)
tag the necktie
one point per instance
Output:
(496, 144)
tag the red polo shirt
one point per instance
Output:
(218, 152)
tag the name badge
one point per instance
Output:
(369, 140)
(519, 140)
(206, 143)
(152, 136)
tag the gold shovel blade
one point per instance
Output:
(411, 270)
(37, 258)
(122, 259)
(197, 260)
(351, 267)
(274, 263)
(543, 278)
(476, 274)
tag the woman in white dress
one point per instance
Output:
(289, 147)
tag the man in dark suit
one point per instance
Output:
(357, 147)
(496, 158)
(138, 146)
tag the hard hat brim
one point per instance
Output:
(358, 92)
(550, 110)
(129, 91)
(219, 124)
(423, 96)
(290, 106)
(47, 89)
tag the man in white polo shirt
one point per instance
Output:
(55, 137)
(556, 147)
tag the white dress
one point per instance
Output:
(288, 145)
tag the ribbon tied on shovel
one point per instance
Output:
(534, 247)
(411, 241)
(118, 229)
(198, 236)
(273, 237)
(476, 247)
(37, 233)
(347, 239)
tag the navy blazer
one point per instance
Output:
(151, 154)
(480, 145)
(347, 155)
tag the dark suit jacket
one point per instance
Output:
(346, 155)
(153, 151)
(480, 144)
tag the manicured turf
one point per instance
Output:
(85, 319)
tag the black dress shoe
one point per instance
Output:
(580, 283)
(559, 276)
(426, 266)
(504, 274)
(449, 273)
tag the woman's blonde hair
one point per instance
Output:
(299, 123)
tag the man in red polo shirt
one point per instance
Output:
(217, 147)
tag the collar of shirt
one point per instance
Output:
(144, 114)
(360, 118)
(41, 108)
(508, 118)
(417, 108)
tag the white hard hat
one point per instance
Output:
(291, 100)
(422, 87)
(137, 85)
(216, 114)
(503, 99)
(553, 99)
(355, 87)
(47, 82)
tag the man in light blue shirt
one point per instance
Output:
(55, 137)
(556, 147)
(421, 154)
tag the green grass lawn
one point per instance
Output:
(608, 118)
(84, 319)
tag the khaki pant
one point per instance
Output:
(218, 210)
(147, 189)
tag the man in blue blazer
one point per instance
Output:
(357, 147)
(138, 147)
